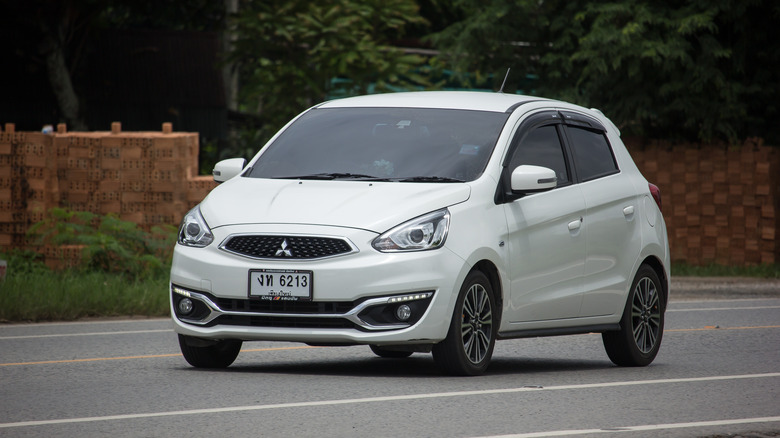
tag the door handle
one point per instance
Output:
(628, 211)
(575, 225)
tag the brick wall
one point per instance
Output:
(148, 178)
(720, 203)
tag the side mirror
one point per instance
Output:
(530, 179)
(226, 169)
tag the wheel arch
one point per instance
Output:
(491, 272)
(658, 267)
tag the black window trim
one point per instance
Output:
(563, 121)
(599, 129)
(543, 118)
(581, 120)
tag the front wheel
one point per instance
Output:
(637, 342)
(202, 353)
(468, 347)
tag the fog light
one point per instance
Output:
(185, 306)
(403, 312)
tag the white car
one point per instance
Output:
(426, 222)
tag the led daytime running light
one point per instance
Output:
(406, 298)
(181, 292)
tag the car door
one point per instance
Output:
(613, 233)
(545, 239)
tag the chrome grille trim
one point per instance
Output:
(352, 315)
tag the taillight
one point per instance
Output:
(656, 192)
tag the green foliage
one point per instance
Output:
(676, 56)
(123, 270)
(25, 262)
(46, 295)
(290, 52)
(697, 69)
(757, 271)
(108, 244)
(200, 15)
(494, 35)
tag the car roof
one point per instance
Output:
(467, 100)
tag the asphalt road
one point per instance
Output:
(718, 372)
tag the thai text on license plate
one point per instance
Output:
(274, 284)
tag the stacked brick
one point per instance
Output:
(27, 183)
(148, 178)
(720, 203)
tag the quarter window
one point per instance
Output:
(592, 154)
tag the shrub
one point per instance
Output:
(108, 244)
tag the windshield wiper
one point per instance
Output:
(437, 179)
(330, 176)
(361, 177)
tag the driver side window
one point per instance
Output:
(542, 147)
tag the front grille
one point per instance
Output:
(286, 247)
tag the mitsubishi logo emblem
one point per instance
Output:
(283, 251)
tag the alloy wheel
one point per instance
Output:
(646, 315)
(477, 324)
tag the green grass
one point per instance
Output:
(31, 292)
(759, 271)
(44, 295)
(122, 270)
(40, 294)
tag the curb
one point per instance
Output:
(724, 287)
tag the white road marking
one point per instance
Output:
(386, 399)
(672, 301)
(90, 322)
(704, 309)
(63, 335)
(644, 428)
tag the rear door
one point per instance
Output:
(612, 231)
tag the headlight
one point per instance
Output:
(420, 234)
(194, 231)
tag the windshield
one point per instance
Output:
(393, 144)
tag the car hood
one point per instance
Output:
(372, 206)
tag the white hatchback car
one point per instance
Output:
(427, 221)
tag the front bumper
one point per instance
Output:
(353, 299)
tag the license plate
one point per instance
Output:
(284, 285)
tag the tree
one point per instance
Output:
(295, 53)
(62, 30)
(697, 69)
(55, 25)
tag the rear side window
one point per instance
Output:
(592, 154)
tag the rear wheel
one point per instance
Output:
(202, 353)
(642, 325)
(391, 354)
(468, 347)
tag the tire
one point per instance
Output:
(642, 326)
(207, 354)
(390, 354)
(468, 347)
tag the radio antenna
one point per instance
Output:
(504, 83)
